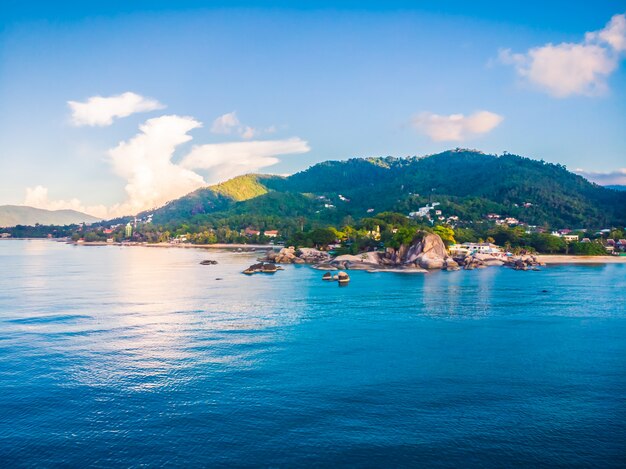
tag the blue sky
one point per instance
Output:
(198, 91)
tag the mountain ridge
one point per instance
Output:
(467, 183)
(13, 215)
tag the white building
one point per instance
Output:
(474, 248)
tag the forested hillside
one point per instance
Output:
(467, 184)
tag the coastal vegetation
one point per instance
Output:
(365, 204)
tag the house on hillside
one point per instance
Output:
(251, 232)
(570, 238)
(271, 233)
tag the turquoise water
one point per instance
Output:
(129, 356)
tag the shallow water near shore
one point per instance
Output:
(131, 356)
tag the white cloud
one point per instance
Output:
(226, 160)
(38, 197)
(100, 111)
(225, 124)
(145, 161)
(615, 177)
(229, 123)
(152, 178)
(567, 68)
(248, 132)
(455, 127)
(613, 34)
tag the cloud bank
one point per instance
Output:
(616, 177)
(145, 162)
(38, 197)
(99, 111)
(153, 177)
(226, 160)
(567, 68)
(455, 127)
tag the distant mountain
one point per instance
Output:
(12, 215)
(616, 188)
(466, 183)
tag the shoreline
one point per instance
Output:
(548, 259)
(556, 259)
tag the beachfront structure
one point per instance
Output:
(271, 233)
(570, 238)
(466, 249)
(5, 235)
(251, 232)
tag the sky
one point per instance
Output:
(116, 107)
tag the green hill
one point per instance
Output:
(468, 184)
(12, 215)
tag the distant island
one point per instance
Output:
(362, 204)
(13, 215)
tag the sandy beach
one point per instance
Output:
(564, 259)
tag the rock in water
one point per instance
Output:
(343, 278)
(327, 276)
(269, 268)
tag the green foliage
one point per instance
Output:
(322, 237)
(587, 249)
(404, 235)
(467, 184)
(241, 188)
(546, 243)
(446, 234)
(382, 191)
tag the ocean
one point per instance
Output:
(141, 357)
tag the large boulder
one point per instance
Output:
(312, 256)
(285, 256)
(428, 253)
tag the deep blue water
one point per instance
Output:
(127, 357)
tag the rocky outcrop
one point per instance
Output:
(427, 251)
(289, 255)
(262, 268)
(523, 263)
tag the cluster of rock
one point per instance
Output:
(524, 263)
(262, 268)
(291, 255)
(426, 252)
(480, 261)
(342, 278)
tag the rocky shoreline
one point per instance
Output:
(425, 253)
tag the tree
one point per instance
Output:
(322, 236)
(588, 249)
(445, 233)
